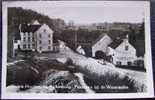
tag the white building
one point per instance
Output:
(101, 44)
(44, 38)
(80, 50)
(36, 37)
(122, 52)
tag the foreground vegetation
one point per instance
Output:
(35, 72)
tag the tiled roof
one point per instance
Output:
(115, 43)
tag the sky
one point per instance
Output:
(87, 15)
(89, 12)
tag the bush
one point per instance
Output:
(22, 74)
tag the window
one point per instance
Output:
(49, 41)
(24, 39)
(28, 34)
(44, 30)
(40, 41)
(40, 48)
(24, 34)
(129, 63)
(49, 35)
(49, 47)
(126, 48)
(118, 63)
(40, 35)
(32, 38)
(29, 39)
(33, 45)
(29, 46)
(24, 46)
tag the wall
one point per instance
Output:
(27, 42)
(45, 31)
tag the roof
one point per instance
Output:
(100, 37)
(36, 22)
(29, 28)
(115, 43)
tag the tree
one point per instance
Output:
(141, 31)
(132, 35)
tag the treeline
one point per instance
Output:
(73, 38)
(85, 38)
(19, 15)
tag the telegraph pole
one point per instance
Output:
(75, 39)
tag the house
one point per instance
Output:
(122, 52)
(80, 50)
(36, 37)
(93, 44)
(101, 44)
(16, 46)
(62, 45)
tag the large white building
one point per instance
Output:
(122, 52)
(36, 37)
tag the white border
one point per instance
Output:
(145, 4)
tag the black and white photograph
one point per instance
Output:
(76, 49)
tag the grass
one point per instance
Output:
(116, 84)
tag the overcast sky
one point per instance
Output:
(86, 15)
(88, 12)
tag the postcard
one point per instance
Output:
(76, 49)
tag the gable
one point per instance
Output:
(123, 45)
(102, 37)
(45, 29)
(102, 44)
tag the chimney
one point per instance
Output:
(20, 26)
(126, 39)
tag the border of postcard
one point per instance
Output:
(148, 58)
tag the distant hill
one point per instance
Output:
(19, 15)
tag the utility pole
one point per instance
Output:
(75, 39)
(13, 51)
